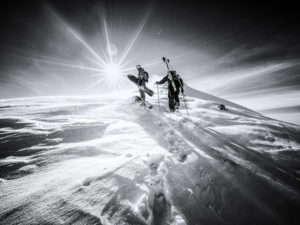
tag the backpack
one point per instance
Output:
(143, 75)
(176, 78)
(146, 76)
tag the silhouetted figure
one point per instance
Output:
(175, 85)
(143, 77)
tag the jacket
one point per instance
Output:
(143, 75)
(174, 82)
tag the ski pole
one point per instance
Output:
(158, 97)
(187, 112)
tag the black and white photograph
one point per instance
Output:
(149, 112)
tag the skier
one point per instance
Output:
(175, 84)
(143, 77)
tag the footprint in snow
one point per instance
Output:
(156, 207)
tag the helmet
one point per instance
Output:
(138, 67)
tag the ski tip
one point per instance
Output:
(166, 60)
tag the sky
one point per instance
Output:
(246, 53)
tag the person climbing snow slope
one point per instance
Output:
(143, 77)
(175, 85)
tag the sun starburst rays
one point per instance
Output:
(115, 66)
(104, 64)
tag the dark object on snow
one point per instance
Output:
(135, 80)
(222, 107)
(137, 99)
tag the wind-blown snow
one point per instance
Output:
(106, 160)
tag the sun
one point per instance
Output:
(112, 73)
(111, 67)
(112, 70)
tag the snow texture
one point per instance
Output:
(106, 160)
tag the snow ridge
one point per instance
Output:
(106, 160)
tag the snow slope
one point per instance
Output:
(106, 160)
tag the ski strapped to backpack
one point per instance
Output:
(170, 68)
(167, 62)
(170, 75)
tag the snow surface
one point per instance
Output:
(106, 160)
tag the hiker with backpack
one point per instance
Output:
(142, 77)
(175, 85)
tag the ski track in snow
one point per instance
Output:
(106, 160)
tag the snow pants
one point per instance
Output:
(142, 85)
(173, 99)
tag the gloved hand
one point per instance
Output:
(182, 90)
(156, 83)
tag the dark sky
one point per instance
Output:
(245, 52)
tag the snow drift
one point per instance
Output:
(106, 160)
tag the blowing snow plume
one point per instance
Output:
(106, 160)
